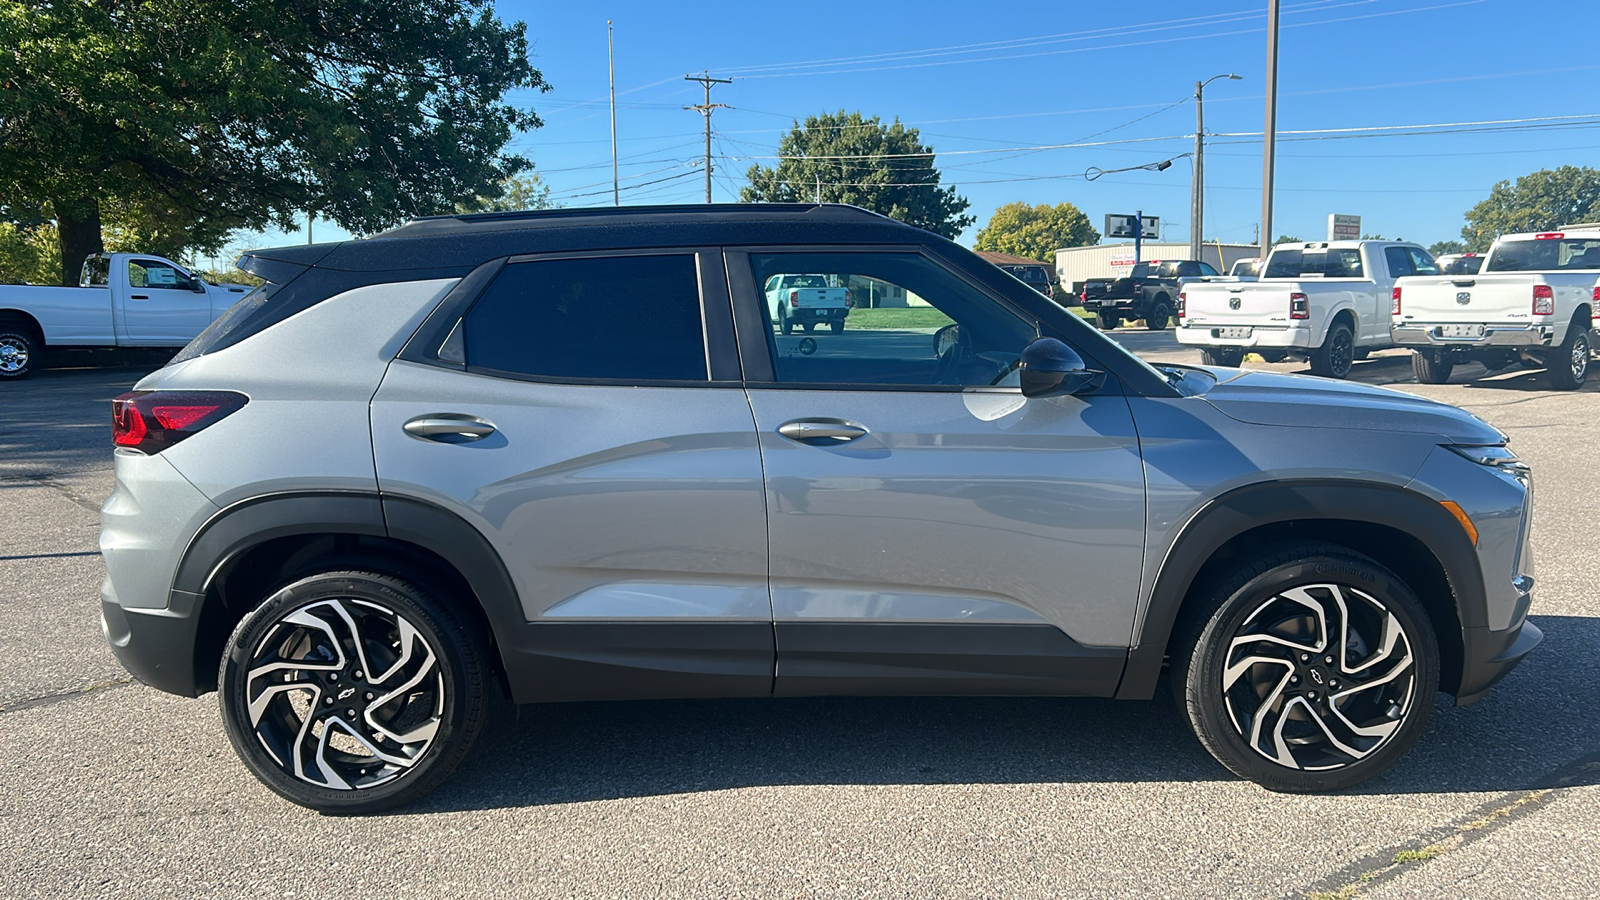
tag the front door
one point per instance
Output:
(932, 530)
(163, 307)
(612, 464)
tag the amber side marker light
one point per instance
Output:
(1455, 509)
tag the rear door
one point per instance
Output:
(162, 307)
(585, 414)
(931, 530)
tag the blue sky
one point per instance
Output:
(981, 78)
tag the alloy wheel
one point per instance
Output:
(13, 354)
(1580, 358)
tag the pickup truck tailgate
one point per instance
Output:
(1488, 299)
(1241, 303)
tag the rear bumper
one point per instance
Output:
(1513, 336)
(818, 315)
(156, 646)
(1276, 336)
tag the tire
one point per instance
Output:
(423, 734)
(1430, 370)
(1568, 365)
(1159, 315)
(1333, 358)
(1109, 321)
(785, 324)
(837, 326)
(1226, 357)
(19, 351)
(1264, 720)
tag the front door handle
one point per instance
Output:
(138, 296)
(449, 428)
(821, 431)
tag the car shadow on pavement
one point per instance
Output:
(1528, 727)
(1526, 380)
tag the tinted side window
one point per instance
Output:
(1399, 262)
(633, 318)
(1207, 271)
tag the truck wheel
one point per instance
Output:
(1333, 358)
(838, 326)
(1309, 668)
(1430, 369)
(1567, 366)
(1109, 321)
(19, 351)
(785, 324)
(1226, 357)
(1159, 315)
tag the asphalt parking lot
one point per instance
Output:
(108, 788)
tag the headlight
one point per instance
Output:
(1497, 455)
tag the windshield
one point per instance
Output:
(1545, 255)
(1324, 262)
(1466, 265)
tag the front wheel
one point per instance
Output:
(1158, 316)
(351, 692)
(1333, 358)
(1431, 369)
(1568, 365)
(19, 352)
(1313, 668)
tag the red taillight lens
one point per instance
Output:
(1550, 236)
(1544, 300)
(1183, 304)
(1394, 302)
(794, 299)
(1299, 306)
(152, 421)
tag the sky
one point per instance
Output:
(990, 85)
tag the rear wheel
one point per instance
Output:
(1431, 369)
(1159, 315)
(1109, 321)
(1226, 357)
(1333, 358)
(785, 324)
(351, 692)
(1312, 668)
(1568, 365)
(838, 326)
(19, 351)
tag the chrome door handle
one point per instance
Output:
(449, 428)
(829, 431)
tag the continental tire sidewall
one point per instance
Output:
(1203, 695)
(459, 661)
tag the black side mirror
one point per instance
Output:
(197, 284)
(1051, 368)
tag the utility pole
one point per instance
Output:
(1197, 199)
(611, 64)
(1138, 234)
(705, 110)
(1270, 133)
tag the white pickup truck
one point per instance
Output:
(1532, 302)
(807, 301)
(1323, 301)
(123, 300)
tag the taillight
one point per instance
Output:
(849, 299)
(1394, 301)
(794, 299)
(1183, 304)
(1550, 236)
(152, 421)
(1299, 306)
(1544, 300)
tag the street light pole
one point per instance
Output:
(1197, 192)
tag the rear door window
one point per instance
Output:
(1400, 264)
(606, 319)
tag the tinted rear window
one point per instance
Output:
(631, 319)
(1341, 262)
(1546, 255)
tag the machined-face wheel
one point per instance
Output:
(352, 691)
(1308, 668)
(1580, 357)
(1319, 676)
(16, 354)
(345, 694)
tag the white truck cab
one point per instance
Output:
(1324, 301)
(122, 300)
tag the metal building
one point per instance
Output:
(1075, 265)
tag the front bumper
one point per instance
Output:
(1276, 336)
(1510, 336)
(1489, 655)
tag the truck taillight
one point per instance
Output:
(1183, 304)
(1299, 306)
(794, 299)
(152, 421)
(1550, 236)
(1394, 301)
(849, 299)
(1544, 300)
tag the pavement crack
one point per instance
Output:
(51, 699)
(46, 481)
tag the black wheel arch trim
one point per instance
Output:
(1253, 506)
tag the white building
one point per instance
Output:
(1075, 265)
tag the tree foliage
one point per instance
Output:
(188, 119)
(885, 168)
(1440, 248)
(517, 193)
(29, 254)
(1036, 232)
(1287, 239)
(1544, 200)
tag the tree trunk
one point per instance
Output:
(78, 223)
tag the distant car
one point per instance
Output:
(1148, 292)
(1040, 278)
(1460, 263)
(1246, 268)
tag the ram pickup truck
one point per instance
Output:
(1149, 292)
(807, 301)
(1531, 302)
(1325, 301)
(123, 300)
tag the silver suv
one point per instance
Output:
(570, 455)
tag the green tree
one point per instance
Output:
(29, 254)
(1440, 248)
(1036, 232)
(846, 158)
(519, 192)
(1541, 201)
(189, 119)
(1287, 239)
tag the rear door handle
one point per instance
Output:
(449, 428)
(821, 431)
